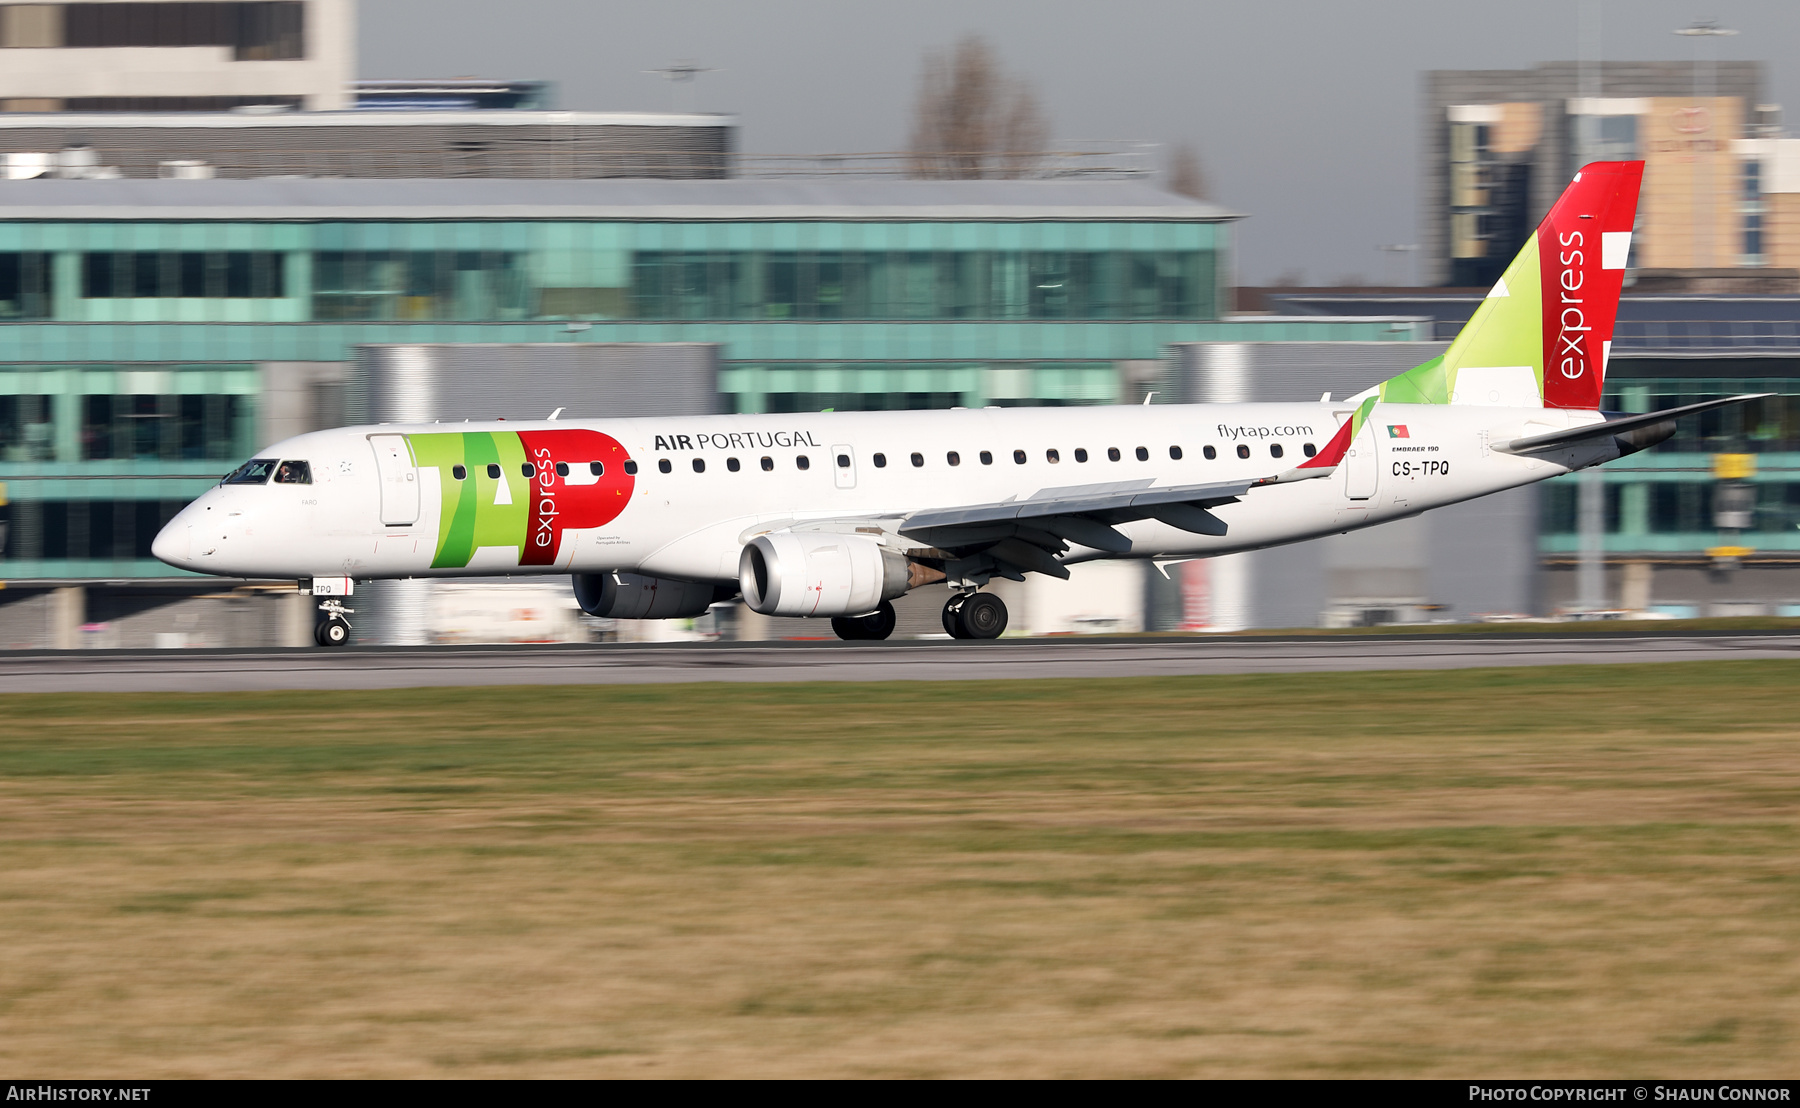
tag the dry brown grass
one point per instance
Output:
(1506, 873)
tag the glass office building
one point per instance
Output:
(1667, 502)
(142, 323)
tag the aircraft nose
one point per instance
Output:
(171, 545)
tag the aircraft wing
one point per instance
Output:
(1029, 533)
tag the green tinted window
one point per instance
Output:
(192, 274)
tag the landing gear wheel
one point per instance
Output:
(332, 629)
(982, 616)
(953, 617)
(332, 632)
(877, 625)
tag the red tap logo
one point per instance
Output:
(578, 482)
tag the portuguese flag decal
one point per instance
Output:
(1398, 431)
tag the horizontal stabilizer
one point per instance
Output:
(1618, 426)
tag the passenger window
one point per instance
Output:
(1309, 450)
(843, 461)
(1112, 453)
(528, 470)
(768, 463)
(1243, 451)
(1081, 453)
(953, 458)
(1018, 457)
(630, 468)
(987, 458)
(699, 465)
(562, 469)
(1143, 455)
(1274, 450)
(1053, 455)
(732, 464)
(493, 472)
(1210, 453)
(803, 462)
(663, 466)
(293, 473)
(253, 472)
(880, 461)
(918, 460)
(1175, 453)
(598, 469)
(459, 473)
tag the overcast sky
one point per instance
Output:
(1305, 112)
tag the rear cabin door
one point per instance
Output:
(399, 480)
(843, 466)
(1361, 470)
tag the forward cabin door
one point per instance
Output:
(1361, 469)
(399, 480)
(843, 466)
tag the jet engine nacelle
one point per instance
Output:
(817, 573)
(631, 596)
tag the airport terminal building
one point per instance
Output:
(155, 332)
(152, 332)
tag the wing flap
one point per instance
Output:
(1199, 521)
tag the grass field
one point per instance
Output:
(1583, 872)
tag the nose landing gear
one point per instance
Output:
(975, 615)
(333, 629)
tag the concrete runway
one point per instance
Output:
(624, 664)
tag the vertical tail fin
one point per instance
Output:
(1543, 335)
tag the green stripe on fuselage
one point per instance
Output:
(469, 517)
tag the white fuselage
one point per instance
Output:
(692, 524)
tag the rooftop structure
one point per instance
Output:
(811, 201)
(154, 332)
(210, 55)
(368, 143)
(452, 94)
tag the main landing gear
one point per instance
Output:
(878, 624)
(975, 615)
(333, 629)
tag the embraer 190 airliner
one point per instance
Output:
(836, 514)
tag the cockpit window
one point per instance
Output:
(293, 473)
(256, 471)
